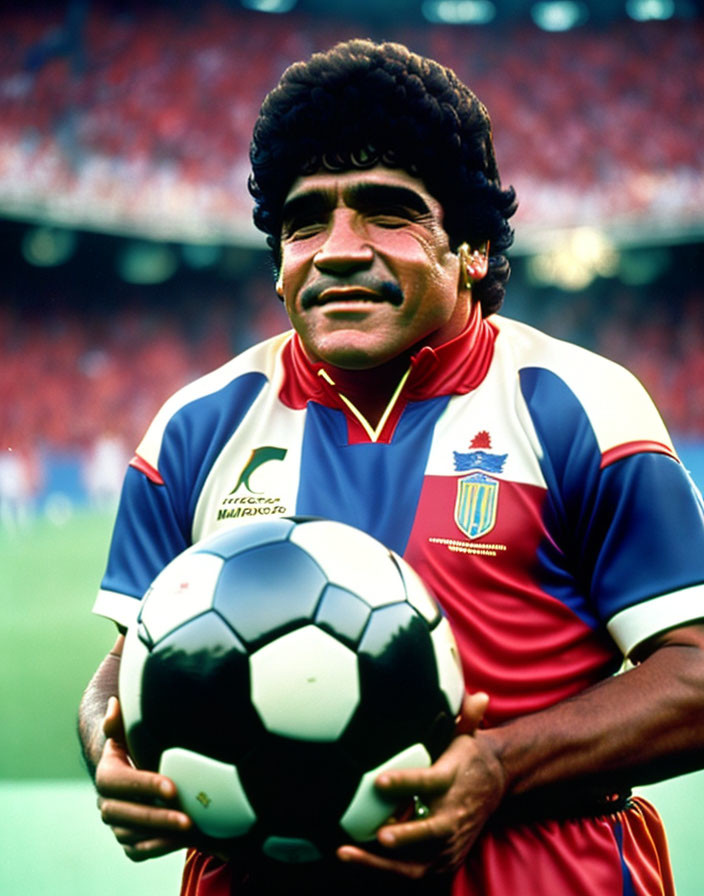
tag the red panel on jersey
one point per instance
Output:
(522, 646)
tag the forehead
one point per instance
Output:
(343, 185)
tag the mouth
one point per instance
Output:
(348, 294)
(351, 293)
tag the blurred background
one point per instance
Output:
(129, 265)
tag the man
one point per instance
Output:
(530, 483)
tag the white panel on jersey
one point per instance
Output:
(134, 656)
(305, 685)
(618, 407)
(272, 488)
(352, 559)
(632, 626)
(210, 792)
(484, 411)
(183, 589)
(260, 357)
(450, 674)
(368, 809)
(121, 608)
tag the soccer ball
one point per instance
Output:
(275, 669)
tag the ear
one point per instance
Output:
(474, 263)
(280, 286)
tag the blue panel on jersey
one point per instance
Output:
(570, 465)
(373, 486)
(153, 522)
(620, 535)
(651, 538)
(145, 537)
(199, 432)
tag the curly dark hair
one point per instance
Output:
(361, 104)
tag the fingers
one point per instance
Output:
(408, 833)
(398, 784)
(146, 831)
(117, 777)
(407, 869)
(119, 813)
(139, 846)
(112, 723)
(474, 707)
(140, 806)
(134, 798)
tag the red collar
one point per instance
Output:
(454, 368)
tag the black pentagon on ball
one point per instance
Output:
(268, 590)
(195, 695)
(400, 701)
(343, 614)
(301, 788)
(199, 682)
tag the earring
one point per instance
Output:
(474, 263)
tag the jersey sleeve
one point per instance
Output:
(627, 517)
(146, 536)
(154, 521)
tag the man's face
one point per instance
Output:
(367, 272)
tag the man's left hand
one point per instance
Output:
(462, 789)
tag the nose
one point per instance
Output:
(344, 250)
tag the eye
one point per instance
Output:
(302, 228)
(391, 216)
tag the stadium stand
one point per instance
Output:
(108, 120)
(136, 119)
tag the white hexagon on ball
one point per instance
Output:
(369, 808)
(134, 656)
(305, 685)
(417, 592)
(210, 792)
(353, 559)
(450, 675)
(182, 590)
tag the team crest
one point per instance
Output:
(478, 492)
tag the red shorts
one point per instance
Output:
(620, 854)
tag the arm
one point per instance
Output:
(139, 806)
(643, 725)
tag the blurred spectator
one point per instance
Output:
(104, 469)
(19, 483)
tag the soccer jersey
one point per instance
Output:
(531, 483)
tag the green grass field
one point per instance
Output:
(52, 839)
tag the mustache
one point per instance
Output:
(377, 290)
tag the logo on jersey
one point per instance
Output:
(249, 502)
(478, 492)
(258, 457)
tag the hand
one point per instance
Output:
(462, 789)
(140, 806)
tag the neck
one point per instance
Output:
(371, 390)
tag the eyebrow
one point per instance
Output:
(362, 197)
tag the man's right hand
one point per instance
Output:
(140, 806)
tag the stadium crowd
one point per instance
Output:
(107, 121)
(107, 116)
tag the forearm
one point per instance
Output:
(91, 713)
(641, 726)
